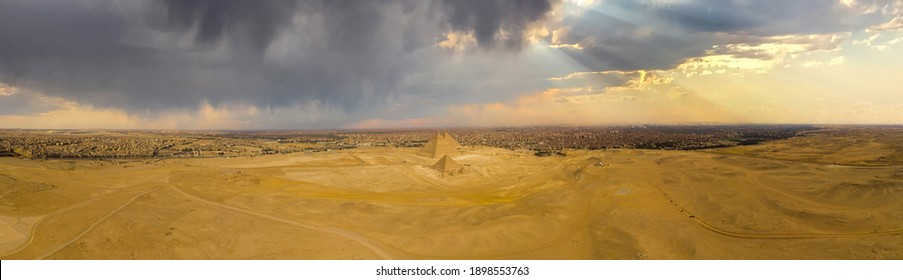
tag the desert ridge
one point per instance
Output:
(475, 203)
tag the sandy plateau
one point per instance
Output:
(819, 196)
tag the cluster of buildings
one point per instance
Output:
(148, 144)
(552, 139)
(543, 140)
(139, 145)
(41, 146)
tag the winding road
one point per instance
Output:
(34, 226)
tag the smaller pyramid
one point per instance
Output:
(447, 165)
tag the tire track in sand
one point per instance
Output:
(717, 230)
(343, 233)
(34, 227)
(92, 226)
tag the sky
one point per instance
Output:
(222, 64)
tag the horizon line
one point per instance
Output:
(823, 125)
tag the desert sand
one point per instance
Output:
(819, 196)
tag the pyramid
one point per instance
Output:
(450, 140)
(447, 165)
(441, 144)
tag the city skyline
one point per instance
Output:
(409, 64)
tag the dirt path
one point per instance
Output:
(347, 234)
(92, 226)
(34, 226)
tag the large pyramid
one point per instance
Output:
(447, 165)
(441, 144)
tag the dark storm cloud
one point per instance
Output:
(365, 57)
(255, 22)
(759, 17)
(148, 57)
(610, 43)
(488, 19)
(260, 20)
(68, 49)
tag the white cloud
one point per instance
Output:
(458, 41)
(893, 24)
(840, 60)
(7, 90)
(812, 64)
(575, 46)
(763, 54)
(612, 79)
(869, 41)
(836, 61)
